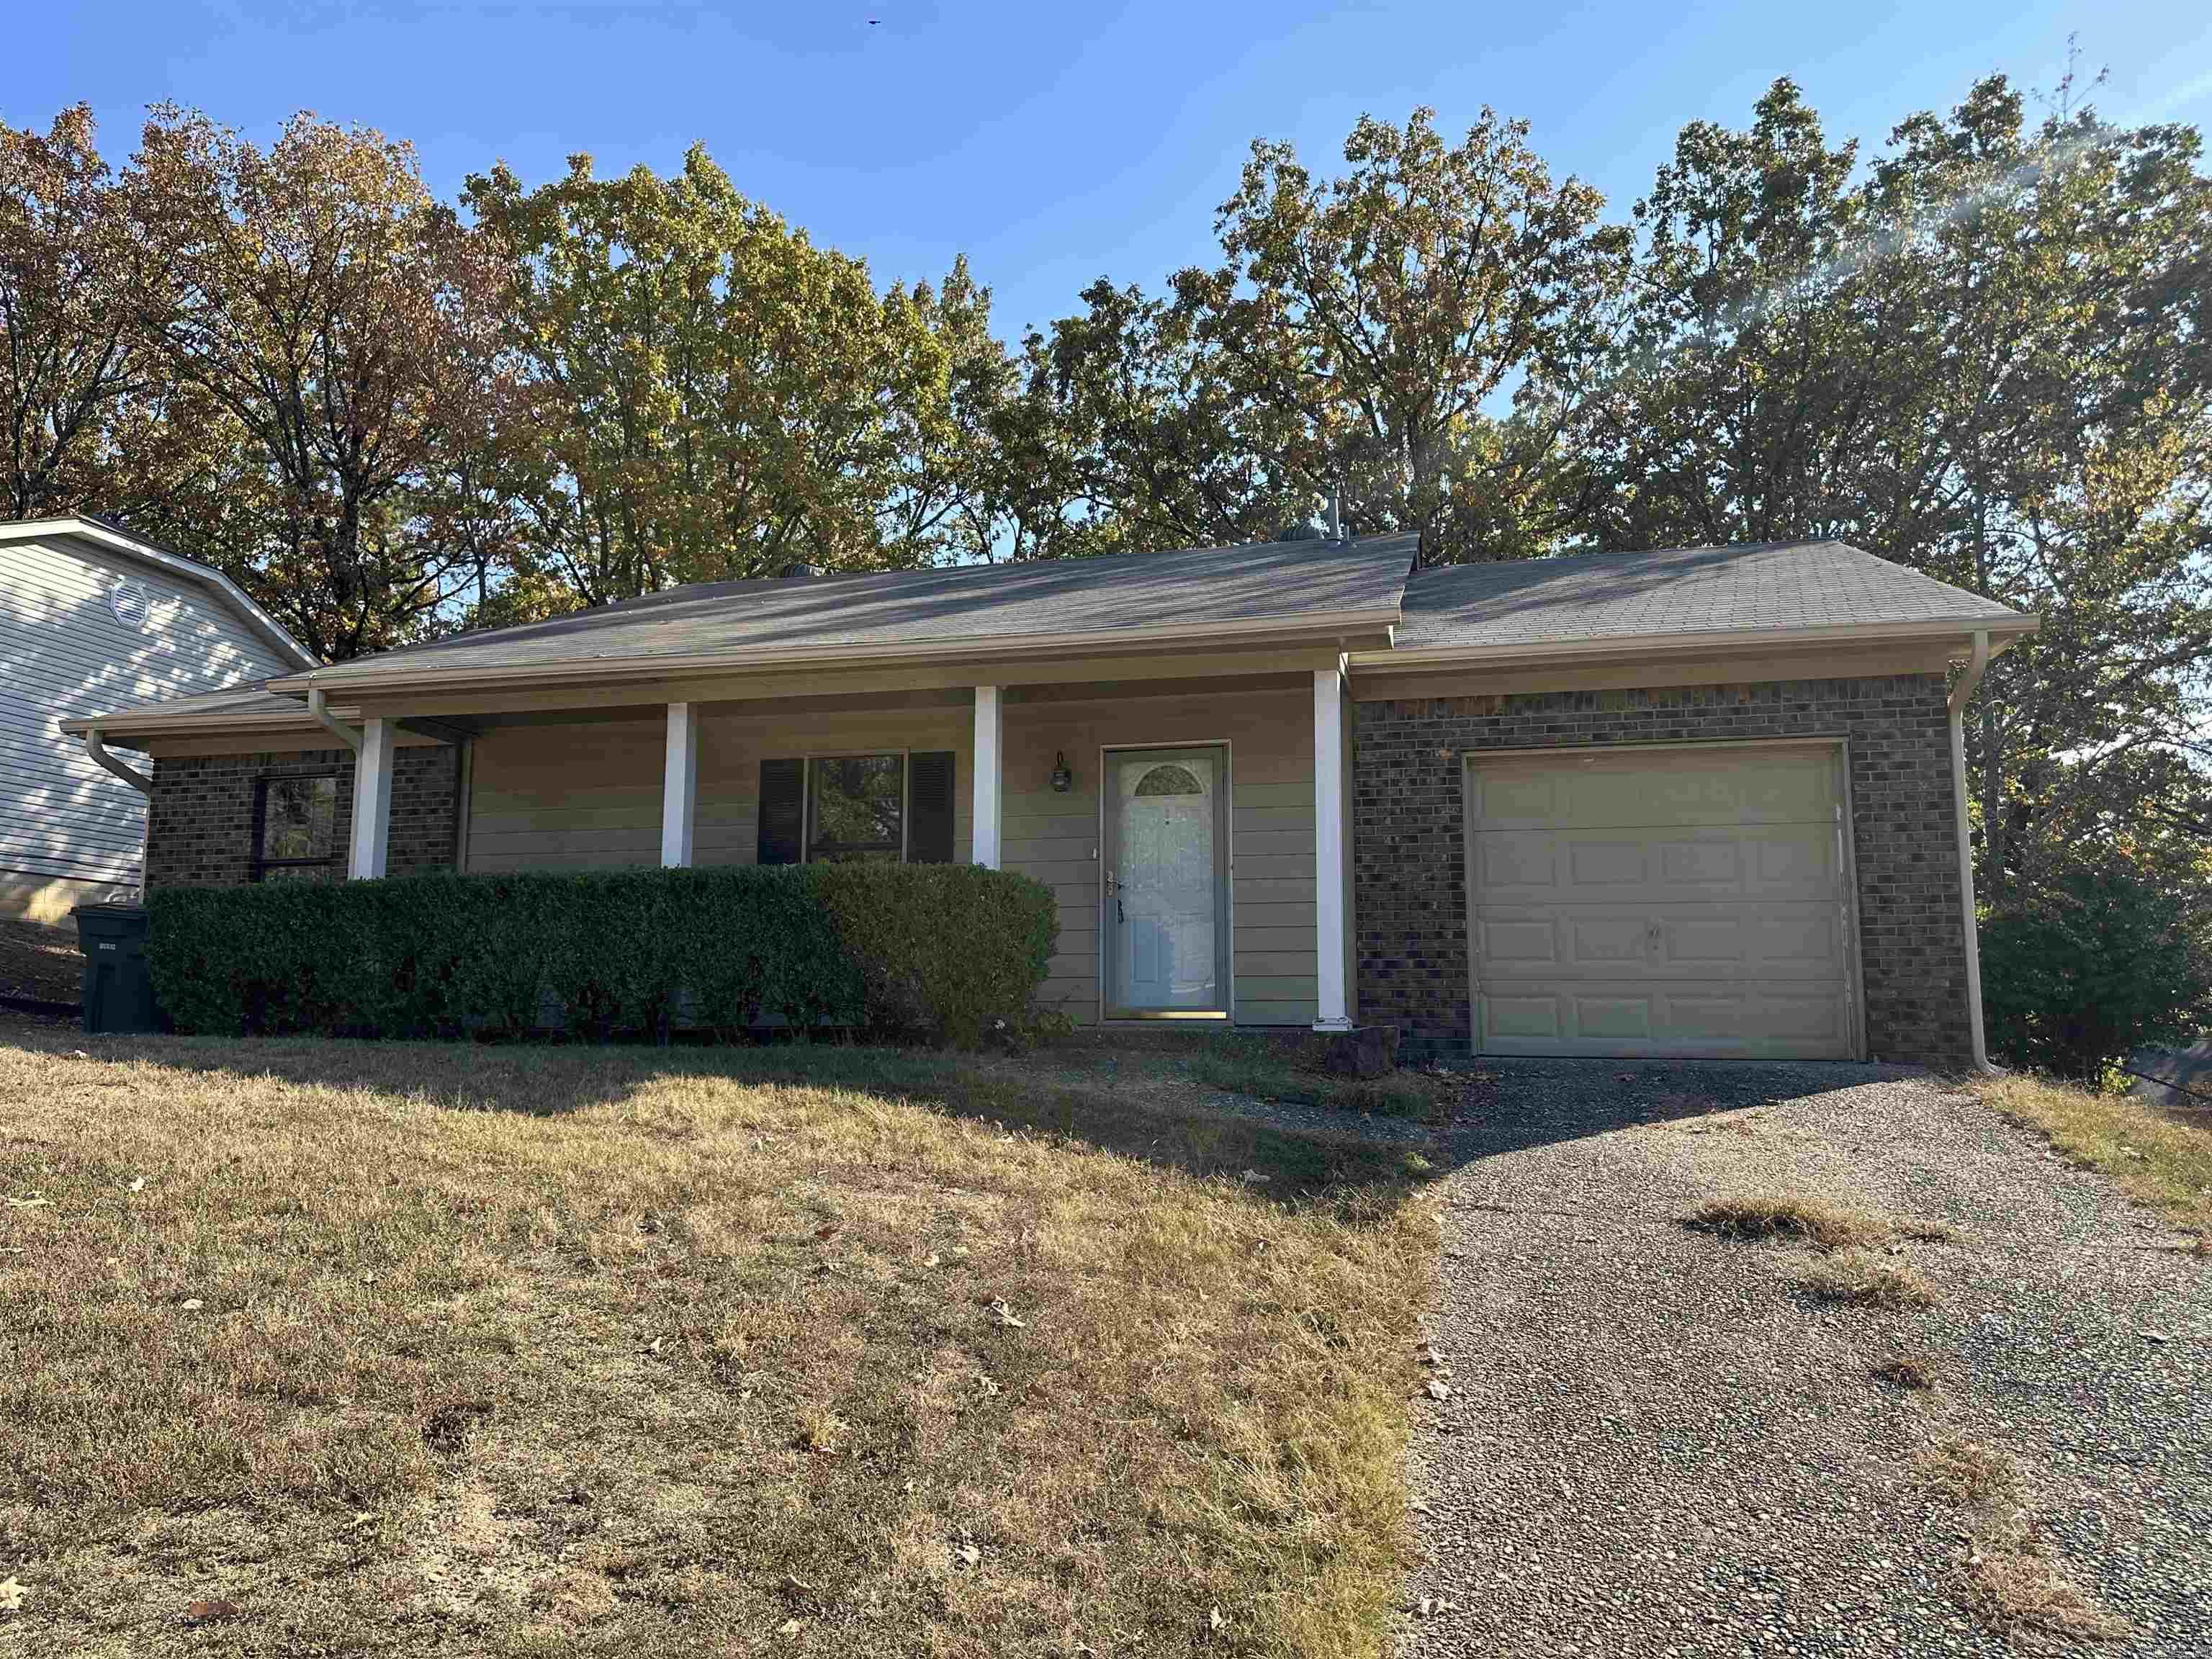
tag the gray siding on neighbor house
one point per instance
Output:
(65, 653)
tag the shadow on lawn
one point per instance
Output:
(548, 1080)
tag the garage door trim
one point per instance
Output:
(1473, 757)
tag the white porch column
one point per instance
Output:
(372, 800)
(1331, 1010)
(990, 762)
(679, 786)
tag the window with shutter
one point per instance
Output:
(782, 811)
(930, 797)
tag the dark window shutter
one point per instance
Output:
(782, 811)
(929, 795)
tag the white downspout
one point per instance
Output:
(349, 735)
(107, 762)
(136, 779)
(1959, 694)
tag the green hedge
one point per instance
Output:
(936, 952)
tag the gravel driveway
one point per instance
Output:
(1655, 1443)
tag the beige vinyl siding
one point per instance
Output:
(587, 796)
(1054, 837)
(63, 654)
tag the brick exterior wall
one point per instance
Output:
(200, 831)
(1408, 808)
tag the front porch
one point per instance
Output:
(1230, 905)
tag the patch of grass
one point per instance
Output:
(1904, 1370)
(2161, 1159)
(1867, 1280)
(2012, 1579)
(523, 1350)
(1267, 1069)
(1786, 1215)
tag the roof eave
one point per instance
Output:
(1629, 646)
(1341, 629)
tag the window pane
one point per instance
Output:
(857, 803)
(299, 818)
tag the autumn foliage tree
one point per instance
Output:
(343, 324)
(702, 394)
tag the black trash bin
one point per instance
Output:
(118, 982)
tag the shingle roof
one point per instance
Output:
(1192, 589)
(1687, 590)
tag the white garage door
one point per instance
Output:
(1689, 901)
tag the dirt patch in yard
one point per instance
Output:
(437, 1349)
(39, 962)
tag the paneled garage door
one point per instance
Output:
(1689, 901)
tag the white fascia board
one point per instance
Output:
(1631, 646)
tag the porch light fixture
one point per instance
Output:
(1062, 779)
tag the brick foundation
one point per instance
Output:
(200, 833)
(1410, 885)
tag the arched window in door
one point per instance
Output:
(1170, 779)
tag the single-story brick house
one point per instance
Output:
(1698, 802)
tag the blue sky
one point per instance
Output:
(1051, 142)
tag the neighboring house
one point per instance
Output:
(91, 617)
(1692, 802)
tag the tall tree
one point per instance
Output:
(70, 349)
(1419, 329)
(343, 323)
(1983, 356)
(702, 394)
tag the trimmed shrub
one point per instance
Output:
(2108, 952)
(941, 952)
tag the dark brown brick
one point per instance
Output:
(200, 831)
(1410, 886)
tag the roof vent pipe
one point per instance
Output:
(798, 570)
(1335, 514)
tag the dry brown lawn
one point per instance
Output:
(332, 1348)
(2013, 1579)
(2162, 1157)
(1788, 1215)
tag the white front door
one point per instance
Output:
(1163, 894)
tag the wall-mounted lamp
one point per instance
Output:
(1062, 779)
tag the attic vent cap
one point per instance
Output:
(798, 570)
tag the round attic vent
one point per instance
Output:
(129, 602)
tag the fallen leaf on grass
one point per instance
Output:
(1214, 1620)
(827, 1233)
(969, 1554)
(191, 1304)
(12, 1594)
(788, 1628)
(1007, 1316)
(139, 1185)
(1439, 1390)
(27, 1203)
(208, 1612)
(2154, 1336)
